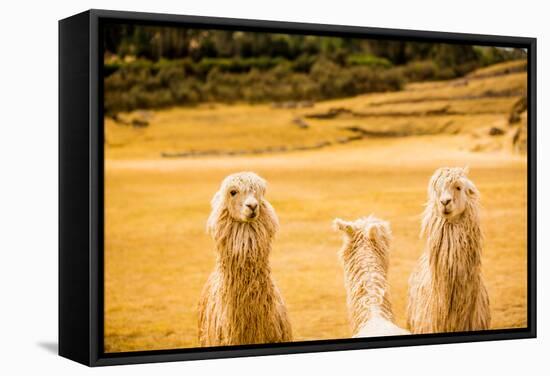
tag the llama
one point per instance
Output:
(446, 290)
(240, 303)
(365, 258)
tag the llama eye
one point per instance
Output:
(233, 192)
(458, 188)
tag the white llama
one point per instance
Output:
(240, 303)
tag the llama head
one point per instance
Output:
(451, 193)
(368, 228)
(240, 198)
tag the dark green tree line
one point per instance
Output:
(150, 66)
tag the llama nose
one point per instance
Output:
(445, 201)
(252, 206)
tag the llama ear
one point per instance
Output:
(432, 186)
(466, 170)
(471, 190)
(340, 224)
(216, 200)
(379, 230)
(263, 185)
(269, 211)
(213, 217)
(373, 232)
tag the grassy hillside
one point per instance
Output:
(459, 106)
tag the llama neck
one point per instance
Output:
(243, 254)
(365, 270)
(454, 256)
(240, 275)
(245, 241)
(454, 247)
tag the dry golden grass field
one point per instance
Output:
(158, 256)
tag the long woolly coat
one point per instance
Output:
(240, 303)
(446, 289)
(365, 259)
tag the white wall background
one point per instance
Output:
(28, 187)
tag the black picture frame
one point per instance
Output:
(81, 188)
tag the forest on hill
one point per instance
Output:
(156, 67)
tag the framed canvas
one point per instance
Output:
(233, 187)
